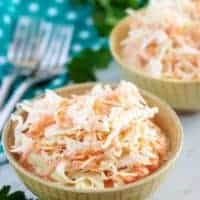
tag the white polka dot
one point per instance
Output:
(2, 60)
(7, 19)
(59, 1)
(33, 7)
(84, 34)
(102, 40)
(52, 12)
(71, 15)
(12, 9)
(57, 82)
(89, 21)
(96, 46)
(16, 1)
(1, 33)
(25, 21)
(38, 92)
(76, 47)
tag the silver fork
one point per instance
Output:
(43, 52)
(22, 52)
(14, 56)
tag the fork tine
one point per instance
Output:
(67, 34)
(24, 31)
(30, 49)
(62, 53)
(45, 30)
(58, 47)
(16, 47)
(40, 44)
(55, 50)
(53, 42)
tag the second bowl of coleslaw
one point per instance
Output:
(158, 49)
(93, 141)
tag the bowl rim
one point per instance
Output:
(117, 57)
(62, 187)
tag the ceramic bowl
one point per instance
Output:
(140, 190)
(181, 95)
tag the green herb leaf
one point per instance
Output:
(17, 196)
(106, 13)
(137, 4)
(82, 67)
(103, 28)
(6, 195)
(4, 192)
(79, 1)
(102, 58)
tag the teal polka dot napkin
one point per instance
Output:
(55, 11)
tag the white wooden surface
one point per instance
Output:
(184, 181)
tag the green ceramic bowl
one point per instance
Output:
(140, 190)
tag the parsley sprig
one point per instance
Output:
(82, 67)
(5, 194)
(106, 13)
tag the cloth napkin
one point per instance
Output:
(55, 11)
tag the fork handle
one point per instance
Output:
(5, 88)
(14, 99)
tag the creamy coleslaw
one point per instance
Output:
(101, 139)
(163, 40)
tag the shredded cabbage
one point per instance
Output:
(163, 39)
(103, 138)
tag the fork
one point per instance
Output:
(40, 49)
(14, 56)
(22, 56)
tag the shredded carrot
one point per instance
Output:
(141, 170)
(108, 183)
(129, 179)
(36, 130)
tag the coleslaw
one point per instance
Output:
(101, 139)
(163, 40)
